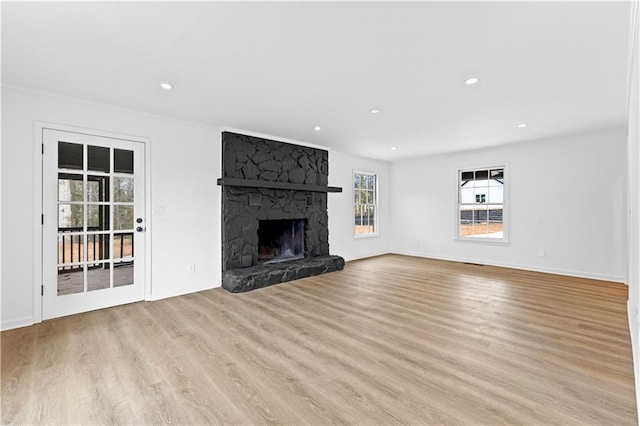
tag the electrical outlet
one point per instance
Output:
(191, 268)
(541, 253)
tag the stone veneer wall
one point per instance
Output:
(248, 157)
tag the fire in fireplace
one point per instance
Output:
(281, 240)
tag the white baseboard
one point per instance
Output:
(183, 291)
(365, 256)
(634, 326)
(580, 274)
(16, 323)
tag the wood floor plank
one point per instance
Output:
(388, 340)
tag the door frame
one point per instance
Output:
(38, 141)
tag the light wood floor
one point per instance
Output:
(388, 340)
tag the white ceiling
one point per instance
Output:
(283, 68)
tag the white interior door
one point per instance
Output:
(93, 222)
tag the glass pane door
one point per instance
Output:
(98, 214)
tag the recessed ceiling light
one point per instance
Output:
(521, 125)
(471, 81)
(393, 148)
(166, 86)
(374, 111)
(317, 128)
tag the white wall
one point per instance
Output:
(565, 195)
(633, 158)
(185, 163)
(342, 241)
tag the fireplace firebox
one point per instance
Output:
(281, 240)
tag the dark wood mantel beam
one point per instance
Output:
(249, 183)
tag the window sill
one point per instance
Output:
(494, 241)
(357, 237)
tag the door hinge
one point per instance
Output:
(42, 219)
(42, 290)
(43, 148)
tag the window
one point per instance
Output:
(481, 204)
(365, 195)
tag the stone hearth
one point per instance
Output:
(269, 180)
(245, 279)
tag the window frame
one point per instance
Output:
(504, 165)
(376, 228)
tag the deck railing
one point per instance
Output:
(71, 246)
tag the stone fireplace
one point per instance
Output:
(274, 212)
